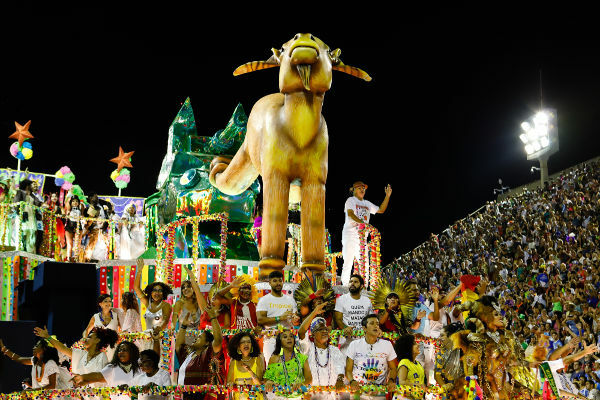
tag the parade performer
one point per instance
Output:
(242, 297)
(72, 235)
(326, 362)
(204, 361)
(357, 211)
(287, 367)
(92, 358)
(151, 375)
(132, 235)
(121, 370)
(187, 309)
(486, 346)
(93, 228)
(395, 300)
(106, 318)
(247, 364)
(154, 296)
(274, 309)
(309, 295)
(45, 371)
(410, 372)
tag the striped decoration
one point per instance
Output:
(14, 270)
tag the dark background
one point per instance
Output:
(439, 122)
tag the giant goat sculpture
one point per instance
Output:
(286, 140)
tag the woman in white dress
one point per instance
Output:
(107, 318)
(121, 370)
(91, 358)
(129, 313)
(158, 311)
(45, 371)
(132, 234)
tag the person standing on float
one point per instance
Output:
(358, 211)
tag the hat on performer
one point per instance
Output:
(359, 184)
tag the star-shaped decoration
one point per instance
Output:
(22, 133)
(122, 160)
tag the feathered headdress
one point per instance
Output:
(391, 282)
(248, 280)
(307, 288)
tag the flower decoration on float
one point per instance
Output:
(64, 178)
(21, 152)
(121, 178)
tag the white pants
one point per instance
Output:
(350, 252)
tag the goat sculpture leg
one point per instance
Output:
(276, 188)
(313, 226)
(233, 177)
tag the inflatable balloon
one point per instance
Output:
(305, 71)
(24, 152)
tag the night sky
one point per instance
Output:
(439, 122)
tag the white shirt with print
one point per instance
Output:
(362, 209)
(371, 361)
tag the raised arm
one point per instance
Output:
(199, 298)
(226, 291)
(307, 321)
(450, 296)
(384, 203)
(435, 315)
(14, 356)
(137, 282)
(217, 343)
(591, 349)
(43, 333)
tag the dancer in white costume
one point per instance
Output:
(358, 211)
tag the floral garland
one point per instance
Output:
(169, 247)
(105, 392)
(374, 247)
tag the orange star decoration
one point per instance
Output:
(22, 133)
(123, 160)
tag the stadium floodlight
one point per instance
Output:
(540, 138)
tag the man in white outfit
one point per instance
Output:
(358, 211)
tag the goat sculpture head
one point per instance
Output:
(305, 64)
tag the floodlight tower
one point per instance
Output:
(540, 139)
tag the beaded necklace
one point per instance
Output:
(102, 319)
(326, 365)
(285, 372)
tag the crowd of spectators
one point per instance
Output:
(538, 255)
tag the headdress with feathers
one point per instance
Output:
(390, 282)
(306, 288)
(248, 280)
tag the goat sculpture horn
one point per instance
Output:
(357, 72)
(252, 66)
